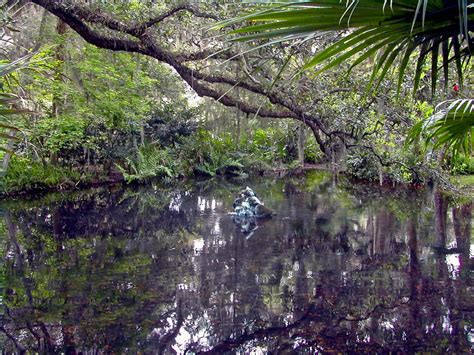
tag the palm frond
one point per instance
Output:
(9, 67)
(7, 101)
(451, 126)
(391, 33)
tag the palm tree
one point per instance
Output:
(395, 33)
(392, 31)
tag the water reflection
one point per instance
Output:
(340, 268)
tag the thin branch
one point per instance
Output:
(142, 27)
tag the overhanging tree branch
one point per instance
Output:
(105, 31)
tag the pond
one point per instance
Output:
(155, 269)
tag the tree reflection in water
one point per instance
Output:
(340, 268)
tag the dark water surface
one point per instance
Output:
(151, 269)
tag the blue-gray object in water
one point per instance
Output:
(247, 204)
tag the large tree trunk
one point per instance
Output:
(301, 144)
(60, 56)
(7, 157)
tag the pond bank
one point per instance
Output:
(67, 183)
(462, 184)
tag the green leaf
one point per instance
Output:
(418, 24)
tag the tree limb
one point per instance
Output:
(140, 28)
(136, 38)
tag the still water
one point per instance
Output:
(166, 270)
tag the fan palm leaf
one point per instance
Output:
(391, 31)
(451, 126)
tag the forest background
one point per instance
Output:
(74, 114)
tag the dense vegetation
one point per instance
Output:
(183, 101)
(102, 93)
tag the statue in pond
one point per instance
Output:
(248, 210)
(247, 204)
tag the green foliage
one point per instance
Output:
(105, 100)
(205, 154)
(362, 166)
(462, 165)
(170, 122)
(25, 174)
(9, 67)
(109, 120)
(466, 182)
(271, 144)
(311, 152)
(450, 127)
(96, 109)
(151, 162)
(389, 32)
(8, 101)
(217, 155)
(63, 133)
(398, 36)
(209, 155)
(91, 111)
(255, 152)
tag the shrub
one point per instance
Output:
(151, 162)
(462, 165)
(362, 166)
(24, 174)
